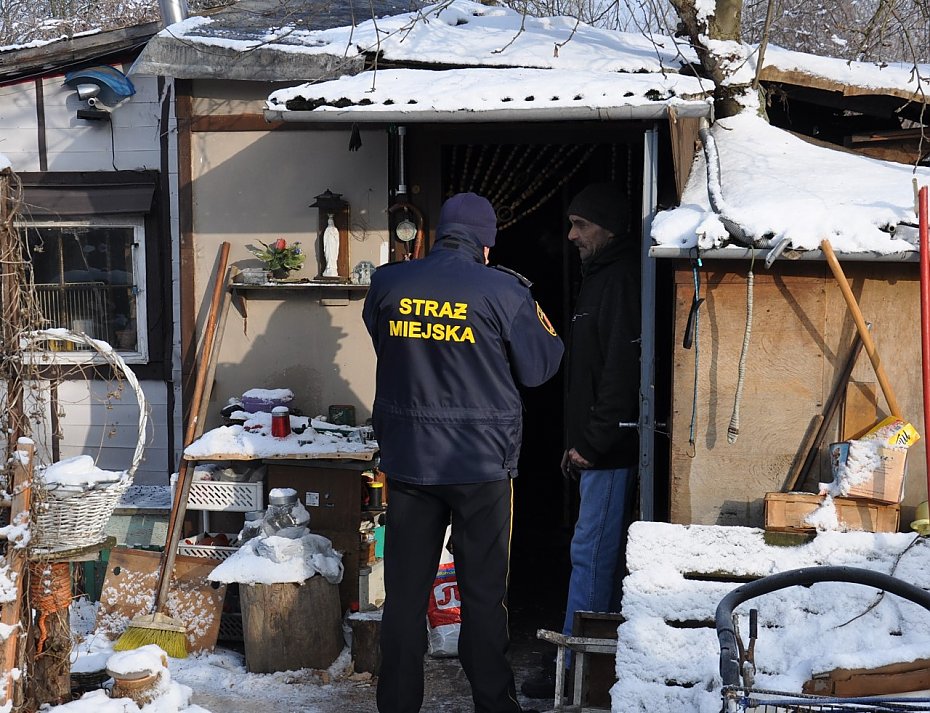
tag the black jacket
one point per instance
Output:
(603, 359)
(454, 338)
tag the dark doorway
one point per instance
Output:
(530, 184)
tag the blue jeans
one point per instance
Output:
(599, 542)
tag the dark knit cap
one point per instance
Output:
(471, 212)
(604, 204)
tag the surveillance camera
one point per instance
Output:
(95, 103)
(87, 91)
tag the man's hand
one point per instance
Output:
(572, 462)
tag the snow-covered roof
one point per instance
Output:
(492, 62)
(53, 56)
(264, 40)
(898, 79)
(481, 94)
(862, 205)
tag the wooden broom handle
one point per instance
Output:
(864, 334)
(185, 471)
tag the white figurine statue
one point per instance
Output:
(331, 248)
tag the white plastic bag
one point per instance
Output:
(444, 615)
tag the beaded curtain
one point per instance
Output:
(518, 179)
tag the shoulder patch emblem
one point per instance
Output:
(545, 320)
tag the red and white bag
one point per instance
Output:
(444, 615)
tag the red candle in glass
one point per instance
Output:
(280, 422)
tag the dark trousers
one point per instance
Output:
(481, 516)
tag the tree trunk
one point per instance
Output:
(719, 62)
(291, 626)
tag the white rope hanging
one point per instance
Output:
(733, 429)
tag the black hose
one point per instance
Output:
(723, 619)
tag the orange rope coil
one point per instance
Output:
(50, 592)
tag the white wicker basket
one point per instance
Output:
(80, 520)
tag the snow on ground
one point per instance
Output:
(674, 579)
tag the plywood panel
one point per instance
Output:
(801, 337)
(889, 296)
(860, 409)
(780, 395)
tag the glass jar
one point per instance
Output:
(252, 526)
(280, 422)
(285, 516)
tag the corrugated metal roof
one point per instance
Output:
(250, 41)
(487, 94)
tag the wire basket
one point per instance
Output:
(81, 519)
(757, 700)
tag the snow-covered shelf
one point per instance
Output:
(313, 455)
(278, 286)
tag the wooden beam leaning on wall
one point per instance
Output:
(11, 613)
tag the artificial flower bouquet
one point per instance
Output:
(279, 255)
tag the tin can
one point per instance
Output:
(280, 422)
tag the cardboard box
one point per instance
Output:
(785, 512)
(886, 483)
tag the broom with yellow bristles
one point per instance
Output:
(158, 627)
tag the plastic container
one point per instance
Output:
(922, 523)
(375, 499)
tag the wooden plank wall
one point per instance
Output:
(76, 144)
(98, 422)
(801, 335)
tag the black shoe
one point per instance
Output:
(540, 685)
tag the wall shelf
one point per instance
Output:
(331, 294)
(277, 286)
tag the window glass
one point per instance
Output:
(88, 279)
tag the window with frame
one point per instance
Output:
(89, 277)
(92, 242)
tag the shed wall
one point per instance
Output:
(258, 185)
(128, 141)
(801, 335)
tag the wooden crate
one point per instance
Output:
(785, 512)
(881, 681)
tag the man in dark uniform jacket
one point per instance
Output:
(454, 339)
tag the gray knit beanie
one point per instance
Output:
(604, 204)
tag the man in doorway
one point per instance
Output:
(454, 340)
(602, 373)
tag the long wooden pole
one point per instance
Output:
(925, 314)
(185, 473)
(11, 612)
(863, 328)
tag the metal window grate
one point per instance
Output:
(79, 306)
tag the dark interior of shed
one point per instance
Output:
(530, 174)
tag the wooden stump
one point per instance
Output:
(291, 626)
(366, 649)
